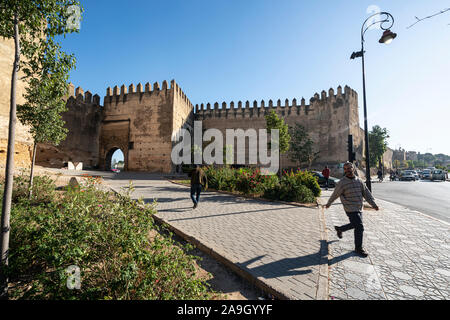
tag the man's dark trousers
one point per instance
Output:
(196, 189)
(357, 224)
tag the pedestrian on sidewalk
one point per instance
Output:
(326, 175)
(351, 191)
(198, 181)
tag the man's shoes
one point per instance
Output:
(339, 232)
(361, 252)
(195, 205)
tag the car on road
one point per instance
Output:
(414, 172)
(438, 174)
(419, 172)
(426, 174)
(407, 175)
(332, 181)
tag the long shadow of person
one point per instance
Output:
(287, 266)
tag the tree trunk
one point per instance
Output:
(9, 172)
(32, 171)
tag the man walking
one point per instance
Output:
(326, 175)
(198, 180)
(351, 191)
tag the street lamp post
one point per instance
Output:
(386, 38)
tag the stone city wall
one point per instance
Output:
(329, 119)
(23, 139)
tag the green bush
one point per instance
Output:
(43, 189)
(307, 179)
(221, 178)
(108, 240)
(290, 188)
(299, 186)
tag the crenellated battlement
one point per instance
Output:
(79, 95)
(124, 93)
(293, 106)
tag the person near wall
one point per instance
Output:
(198, 181)
(326, 175)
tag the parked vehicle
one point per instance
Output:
(414, 172)
(321, 179)
(426, 174)
(407, 175)
(438, 174)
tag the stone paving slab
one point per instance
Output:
(279, 244)
(409, 256)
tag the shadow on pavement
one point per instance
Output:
(220, 215)
(287, 266)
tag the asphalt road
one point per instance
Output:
(428, 197)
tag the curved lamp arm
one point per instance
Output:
(384, 20)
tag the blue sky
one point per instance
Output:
(234, 50)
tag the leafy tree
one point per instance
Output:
(396, 163)
(429, 158)
(274, 122)
(301, 146)
(46, 89)
(410, 164)
(32, 24)
(377, 144)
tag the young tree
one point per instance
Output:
(30, 23)
(301, 146)
(377, 144)
(47, 86)
(274, 122)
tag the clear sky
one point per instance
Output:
(231, 50)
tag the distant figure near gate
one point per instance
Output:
(326, 175)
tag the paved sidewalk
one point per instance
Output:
(409, 255)
(280, 245)
(284, 247)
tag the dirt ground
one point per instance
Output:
(222, 280)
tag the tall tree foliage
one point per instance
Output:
(301, 146)
(377, 144)
(47, 86)
(33, 24)
(274, 122)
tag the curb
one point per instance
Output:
(323, 281)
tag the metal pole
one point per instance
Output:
(366, 134)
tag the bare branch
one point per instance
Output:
(418, 20)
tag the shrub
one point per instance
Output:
(43, 189)
(307, 179)
(290, 188)
(108, 240)
(221, 178)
